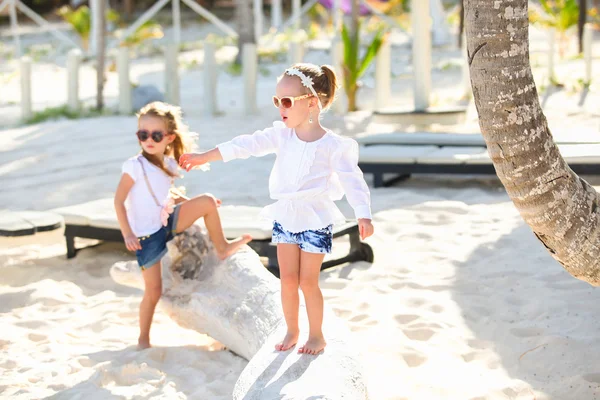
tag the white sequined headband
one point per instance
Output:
(306, 81)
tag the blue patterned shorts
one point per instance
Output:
(313, 241)
(154, 246)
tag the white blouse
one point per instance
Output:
(307, 176)
(142, 212)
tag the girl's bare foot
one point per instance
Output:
(233, 246)
(143, 344)
(313, 346)
(289, 341)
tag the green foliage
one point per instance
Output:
(234, 69)
(558, 14)
(220, 41)
(353, 66)
(271, 55)
(80, 21)
(147, 31)
(52, 113)
(39, 51)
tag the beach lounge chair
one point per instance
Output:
(97, 220)
(406, 160)
(462, 139)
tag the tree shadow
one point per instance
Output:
(10, 301)
(89, 270)
(551, 90)
(296, 369)
(584, 95)
(539, 325)
(159, 366)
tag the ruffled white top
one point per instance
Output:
(307, 177)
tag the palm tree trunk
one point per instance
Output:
(561, 208)
(355, 17)
(351, 96)
(244, 21)
(128, 9)
(461, 23)
(581, 22)
(100, 53)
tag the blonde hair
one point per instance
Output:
(172, 117)
(324, 80)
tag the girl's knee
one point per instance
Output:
(153, 293)
(309, 285)
(209, 200)
(289, 281)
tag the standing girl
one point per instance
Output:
(148, 216)
(314, 167)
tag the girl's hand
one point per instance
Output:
(365, 228)
(132, 243)
(188, 161)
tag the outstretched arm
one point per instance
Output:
(258, 144)
(188, 161)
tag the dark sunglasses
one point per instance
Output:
(143, 135)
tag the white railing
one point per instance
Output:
(176, 9)
(13, 5)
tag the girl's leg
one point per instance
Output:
(206, 206)
(152, 292)
(288, 257)
(310, 267)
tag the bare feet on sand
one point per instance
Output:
(289, 341)
(233, 246)
(143, 344)
(313, 346)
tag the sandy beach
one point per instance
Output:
(462, 302)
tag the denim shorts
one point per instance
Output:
(312, 241)
(154, 246)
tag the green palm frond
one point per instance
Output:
(558, 14)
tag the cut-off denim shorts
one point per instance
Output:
(312, 241)
(154, 246)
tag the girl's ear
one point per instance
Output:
(171, 138)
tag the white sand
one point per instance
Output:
(461, 303)
(69, 330)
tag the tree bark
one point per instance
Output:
(461, 23)
(351, 97)
(128, 9)
(355, 17)
(100, 53)
(244, 20)
(560, 207)
(581, 22)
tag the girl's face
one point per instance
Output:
(152, 135)
(290, 87)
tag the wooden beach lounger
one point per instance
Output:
(405, 160)
(462, 139)
(97, 220)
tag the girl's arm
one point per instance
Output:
(188, 161)
(258, 144)
(125, 184)
(345, 164)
